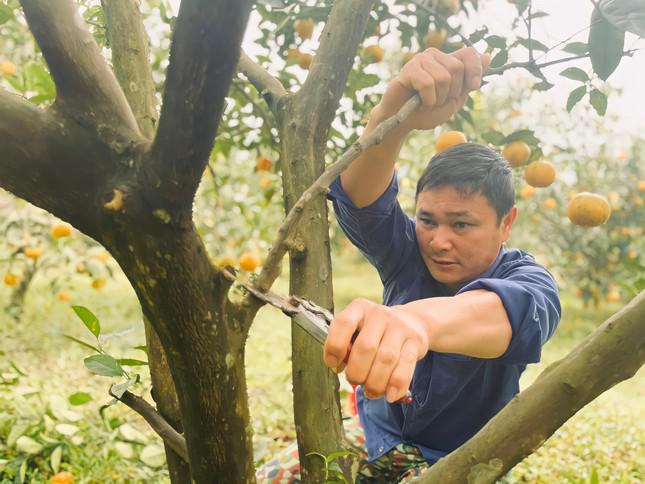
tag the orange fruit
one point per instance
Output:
(98, 283)
(8, 68)
(641, 185)
(249, 262)
(11, 280)
(632, 254)
(305, 60)
(61, 230)
(64, 296)
(516, 153)
(63, 477)
(448, 139)
(588, 209)
(613, 296)
(265, 181)
(550, 203)
(263, 164)
(102, 256)
(625, 232)
(293, 53)
(436, 38)
(452, 6)
(373, 54)
(527, 192)
(33, 252)
(304, 28)
(539, 174)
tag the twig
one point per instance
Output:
(271, 268)
(169, 435)
(270, 88)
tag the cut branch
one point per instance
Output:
(169, 435)
(129, 42)
(271, 269)
(86, 87)
(204, 53)
(270, 88)
(557, 394)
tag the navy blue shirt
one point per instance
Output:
(454, 395)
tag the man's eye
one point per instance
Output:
(461, 225)
(426, 221)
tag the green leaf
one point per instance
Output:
(535, 15)
(575, 96)
(131, 362)
(82, 343)
(103, 365)
(143, 348)
(89, 319)
(605, 45)
(499, 60)
(119, 389)
(79, 398)
(533, 44)
(543, 86)
(525, 135)
(594, 477)
(575, 73)
(343, 453)
(493, 137)
(496, 42)
(6, 13)
(599, 101)
(577, 48)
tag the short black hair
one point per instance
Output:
(472, 168)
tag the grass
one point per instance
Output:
(39, 369)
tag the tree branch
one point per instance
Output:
(333, 62)
(271, 268)
(86, 87)
(204, 53)
(169, 435)
(51, 162)
(129, 42)
(557, 394)
(270, 88)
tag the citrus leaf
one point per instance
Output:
(493, 137)
(543, 86)
(575, 73)
(575, 96)
(577, 48)
(532, 44)
(119, 389)
(599, 101)
(131, 362)
(103, 365)
(605, 45)
(496, 42)
(79, 398)
(89, 319)
(499, 60)
(6, 13)
(525, 135)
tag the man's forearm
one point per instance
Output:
(369, 175)
(474, 323)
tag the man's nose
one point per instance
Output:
(440, 241)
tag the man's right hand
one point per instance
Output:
(443, 82)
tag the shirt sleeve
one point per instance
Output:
(530, 296)
(381, 231)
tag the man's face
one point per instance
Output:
(458, 236)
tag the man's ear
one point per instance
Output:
(507, 223)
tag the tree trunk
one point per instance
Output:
(611, 354)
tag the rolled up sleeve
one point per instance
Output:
(530, 297)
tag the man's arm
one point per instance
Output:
(443, 82)
(392, 339)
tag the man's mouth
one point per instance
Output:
(441, 262)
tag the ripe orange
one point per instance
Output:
(452, 6)
(11, 280)
(641, 185)
(8, 68)
(61, 230)
(448, 139)
(539, 174)
(550, 203)
(305, 60)
(613, 296)
(265, 181)
(516, 153)
(62, 477)
(98, 283)
(64, 296)
(304, 28)
(625, 232)
(33, 252)
(588, 209)
(263, 164)
(249, 262)
(436, 38)
(373, 54)
(632, 254)
(293, 53)
(527, 192)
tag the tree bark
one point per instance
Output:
(612, 353)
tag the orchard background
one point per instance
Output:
(54, 421)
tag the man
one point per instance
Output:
(461, 316)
